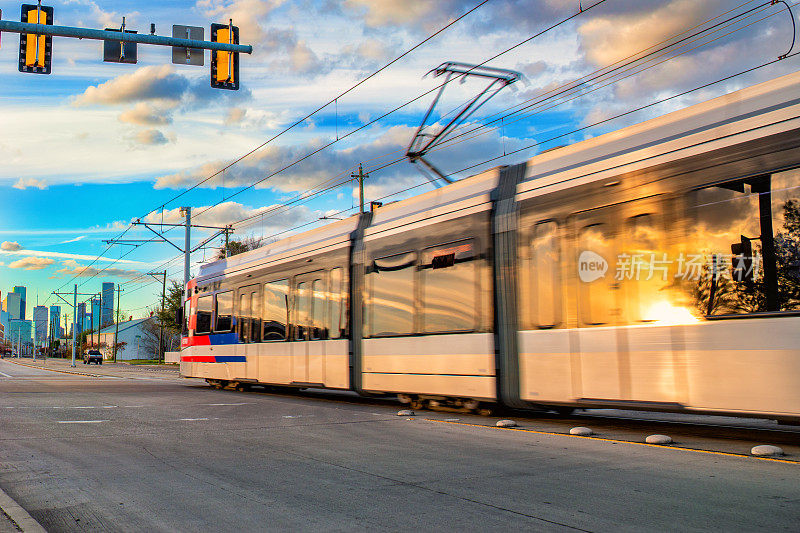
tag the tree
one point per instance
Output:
(235, 247)
(173, 302)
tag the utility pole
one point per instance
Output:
(187, 244)
(163, 275)
(116, 323)
(74, 318)
(360, 177)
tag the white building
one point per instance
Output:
(137, 336)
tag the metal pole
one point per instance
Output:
(116, 324)
(161, 333)
(187, 250)
(11, 26)
(74, 316)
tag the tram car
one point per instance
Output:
(656, 267)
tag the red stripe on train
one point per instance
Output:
(198, 359)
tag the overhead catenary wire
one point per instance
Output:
(163, 204)
(716, 27)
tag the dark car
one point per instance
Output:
(93, 356)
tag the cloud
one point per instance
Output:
(246, 14)
(151, 137)
(275, 217)
(76, 239)
(24, 183)
(74, 269)
(147, 114)
(146, 83)
(31, 263)
(379, 13)
(234, 115)
(62, 255)
(10, 246)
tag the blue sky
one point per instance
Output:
(96, 145)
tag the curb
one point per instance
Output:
(73, 372)
(18, 515)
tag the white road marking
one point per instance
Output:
(217, 404)
(83, 407)
(81, 421)
(297, 416)
(192, 419)
(6, 375)
(110, 406)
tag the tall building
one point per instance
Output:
(95, 323)
(22, 292)
(40, 325)
(80, 319)
(54, 332)
(12, 304)
(107, 313)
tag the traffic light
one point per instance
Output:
(742, 261)
(225, 65)
(35, 51)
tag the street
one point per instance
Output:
(156, 453)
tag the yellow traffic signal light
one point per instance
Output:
(225, 65)
(35, 51)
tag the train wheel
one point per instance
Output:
(417, 404)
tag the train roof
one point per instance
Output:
(765, 108)
(756, 111)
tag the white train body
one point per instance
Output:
(655, 267)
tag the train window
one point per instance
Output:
(255, 307)
(302, 311)
(243, 318)
(449, 288)
(596, 287)
(203, 319)
(223, 303)
(336, 315)
(391, 295)
(545, 278)
(187, 310)
(247, 323)
(747, 236)
(318, 330)
(643, 267)
(276, 310)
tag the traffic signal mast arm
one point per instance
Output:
(11, 26)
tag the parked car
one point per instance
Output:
(93, 356)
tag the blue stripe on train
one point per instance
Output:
(223, 338)
(230, 358)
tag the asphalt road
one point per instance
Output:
(158, 453)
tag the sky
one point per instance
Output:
(95, 146)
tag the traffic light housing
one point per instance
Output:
(35, 51)
(742, 261)
(225, 65)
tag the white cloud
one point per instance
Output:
(24, 183)
(62, 255)
(146, 83)
(31, 263)
(76, 239)
(151, 137)
(148, 114)
(10, 246)
(275, 217)
(73, 269)
(234, 115)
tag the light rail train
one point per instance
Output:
(656, 267)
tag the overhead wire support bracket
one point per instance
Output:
(423, 141)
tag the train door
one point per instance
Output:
(248, 325)
(308, 350)
(599, 343)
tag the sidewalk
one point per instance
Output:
(107, 369)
